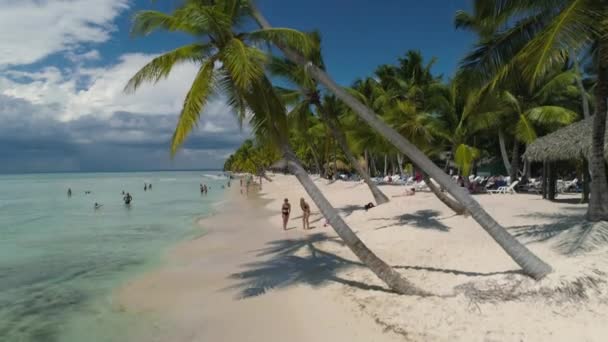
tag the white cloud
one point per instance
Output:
(33, 29)
(92, 55)
(99, 91)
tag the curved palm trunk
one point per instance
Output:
(385, 165)
(514, 162)
(579, 84)
(391, 277)
(443, 197)
(315, 157)
(400, 164)
(598, 203)
(530, 263)
(379, 196)
(503, 150)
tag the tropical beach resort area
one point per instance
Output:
(390, 171)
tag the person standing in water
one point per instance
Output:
(128, 198)
(145, 187)
(305, 214)
(150, 186)
(285, 212)
(69, 192)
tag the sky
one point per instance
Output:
(64, 63)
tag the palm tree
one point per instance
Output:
(234, 66)
(308, 95)
(530, 263)
(536, 36)
(528, 109)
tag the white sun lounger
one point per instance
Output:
(505, 189)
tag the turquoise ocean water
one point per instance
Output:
(60, 259)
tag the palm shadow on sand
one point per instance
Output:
(569, 231)
(281, 268)
(422, 219)
(284, 268)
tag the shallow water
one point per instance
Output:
(60, 259)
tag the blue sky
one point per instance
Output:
(63, 65)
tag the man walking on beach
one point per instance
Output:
(285, 212)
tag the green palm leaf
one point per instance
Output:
(193, 104)
(571, 29)
(244, 63)
(146, 22)
(508, 99)
(161, 66)
(551, 115)
(556, 85)
(293, 39)
(524, 130)
(464, 157)
(226, 86)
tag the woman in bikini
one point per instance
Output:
(305, 214)
(285, 211)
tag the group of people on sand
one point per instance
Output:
(286, 212)
(246, 183)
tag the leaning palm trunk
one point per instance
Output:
(598, 203)
(503, 150)
(379, 196)
(579, 84)
(386, 273)
(514, 162)
(385, 165)
(443, 197)
(315, 158)
(400, 164)
(530, 263)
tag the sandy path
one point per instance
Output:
(195, 298)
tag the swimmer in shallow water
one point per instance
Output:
(97, 205)
(128, 198)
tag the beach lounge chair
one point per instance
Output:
(421, 186)
(505, 189)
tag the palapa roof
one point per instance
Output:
(568, 143)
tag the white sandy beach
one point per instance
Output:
(247, 280)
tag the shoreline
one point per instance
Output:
(211, 287)
(247, 279)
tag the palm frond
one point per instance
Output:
(235, 98)
(524, 130)
(551, 115)
(290, 97)
(244, 63)
(193, 104)
(507, 98)
(146, 22)
(556, 85)
(161, 66)
(293, 39)
(464, 157)
(570, 29)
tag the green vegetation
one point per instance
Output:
(521, 81)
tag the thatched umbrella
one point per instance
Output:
(572, 142)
